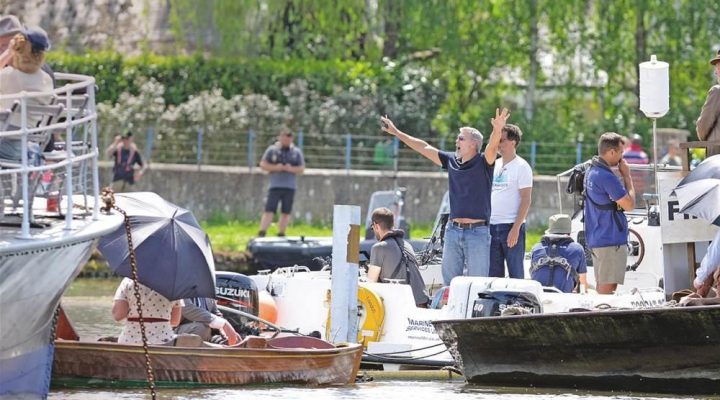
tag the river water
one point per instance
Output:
(92, 319)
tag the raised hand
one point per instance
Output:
(387, 125)
(500, 119)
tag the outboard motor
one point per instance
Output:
(239, 292)
(491, 303)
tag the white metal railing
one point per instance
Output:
(85, 118)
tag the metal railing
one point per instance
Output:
(80, 129)
(343, 151)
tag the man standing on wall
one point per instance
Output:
(284, 162)
(467, 236)
(125, 155)
(510, 202)
(606, 228)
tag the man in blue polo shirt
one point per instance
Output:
(606, 198)
(470, 172)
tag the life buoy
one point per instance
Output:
(371, 316)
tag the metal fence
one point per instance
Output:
(343, 151)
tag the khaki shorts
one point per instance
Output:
(609, 264)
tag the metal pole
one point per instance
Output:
(348, 153)
(70, 156)
(301, 139)
(251, 149)
(578, 153)
(25, 225)
(199, 147)
(533, 153)
(95, 147)
(149, 143)
(655, 159)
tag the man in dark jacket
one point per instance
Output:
(393, 258)
(557, 260)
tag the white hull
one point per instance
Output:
(302, 301)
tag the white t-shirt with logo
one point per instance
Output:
(508, 179)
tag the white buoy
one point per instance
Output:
(654, 87)
(344, 282)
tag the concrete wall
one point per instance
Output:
(239, 192)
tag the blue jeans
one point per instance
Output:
(500, 252)
(465, 248)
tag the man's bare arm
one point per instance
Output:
(419, 145)
(501, 117)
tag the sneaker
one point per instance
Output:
(261, 234)
(281, 234)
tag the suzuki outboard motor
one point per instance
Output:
(491, 303)
(239, 292)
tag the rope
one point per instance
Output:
(407, 351)
(108, 197)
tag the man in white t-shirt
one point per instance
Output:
(510, 202)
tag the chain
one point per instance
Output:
(108, 198)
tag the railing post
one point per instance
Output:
(301, 139)
(533, 154)
(578, 153)
(442, 143)
(149, 143)
(251, 149)
(199, 146)
(25, 225)
(348, 152)
(96, 177)
(70, 156)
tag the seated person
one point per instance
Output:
(557, 260)
(26, 55)
(710, 262)
(394, 258)
(159, 314)
(200, 316)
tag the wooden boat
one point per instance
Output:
(672, 349)
(256, 360)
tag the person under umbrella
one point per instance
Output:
(159, 314)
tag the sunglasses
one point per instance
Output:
(461, 138)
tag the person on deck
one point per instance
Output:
(557, 260)
(634, 153)
(510, 203)
(159, 314)
(707, 126)
(467, 236)
(392, 257)
(606, 200)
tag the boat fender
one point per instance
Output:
(371, 316)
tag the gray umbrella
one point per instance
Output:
(173, 253)
(700, 198)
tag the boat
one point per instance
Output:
(192, 362)
(663, 348)
(671, 349)
(47, 232)
(396, 333)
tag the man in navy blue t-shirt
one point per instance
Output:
(606, 229)
(470, 172)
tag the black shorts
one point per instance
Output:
(280, 195)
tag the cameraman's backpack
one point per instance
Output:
(576, 184)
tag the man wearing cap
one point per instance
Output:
(125, 156)
(470, 172)
(707, 126)
(557, 260)
(284, 162)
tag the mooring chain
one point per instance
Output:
(108, 197)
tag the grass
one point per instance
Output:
(233, 235)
